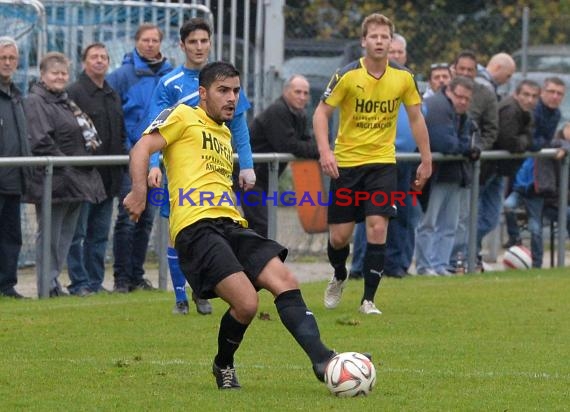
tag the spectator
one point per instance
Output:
(92, 93)
(134, 81)
(58, 127)
(13, 130)
(450, 132)
(281, 128)
(483, 113)
(439, 75)
(402, 230)
(499, 70)
(181, 86)
(515, 135)
(219, 256)
(547, 112)
(364, 154)
(562, 142)
(546, 116)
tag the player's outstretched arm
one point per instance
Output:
(135, 201)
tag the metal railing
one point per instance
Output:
(273, 159)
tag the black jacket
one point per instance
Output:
(283, 130)
(103, 106)
(515, 135)
(54, 131)
(13, 141)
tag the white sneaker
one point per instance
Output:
(333, 292)
(368, 308)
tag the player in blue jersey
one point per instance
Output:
(180, 86)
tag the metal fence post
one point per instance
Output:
(563, 210)
(43, 279)
(272, 205)
(163, 242)
(473, 213)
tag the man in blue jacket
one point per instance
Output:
(450, 132)
(135, 81)
(180, 86)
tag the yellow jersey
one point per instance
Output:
(199, 161)
(368, 109)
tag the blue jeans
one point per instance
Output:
(402, 229)
(436, 232)
(534, 206)
(130, 241)
(462, 233)
(490, 204)
(10, 240)
(86, 258)
(359, 248)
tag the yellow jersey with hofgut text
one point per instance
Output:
(199, 162)
(368, 109)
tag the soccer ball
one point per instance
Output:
(517, 257)
(350, 374)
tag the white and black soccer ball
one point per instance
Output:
(350, 374)
(517, 257)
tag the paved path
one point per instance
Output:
(305, 271)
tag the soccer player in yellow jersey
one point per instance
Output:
(368, 93)
(219, 256)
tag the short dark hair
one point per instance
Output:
(554, 80)
(216, 71)
(466, 54)
(96, 45)
(462, 81)
(194, 24)
(526, 82)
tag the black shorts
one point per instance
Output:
(212, 249)
(362, 191)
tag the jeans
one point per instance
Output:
(402, 229)
(359, 247)
(130, 241)
(10, 240)
(436, 232)
(534, 206)
(86, 258)
(490, 205)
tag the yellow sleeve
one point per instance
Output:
(169, 123)
(412, 95)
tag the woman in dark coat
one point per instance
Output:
(57, 127)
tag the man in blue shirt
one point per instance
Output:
(180, 86)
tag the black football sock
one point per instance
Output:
(229, 338)
(337, 259)
(301, 323)
(373, 269)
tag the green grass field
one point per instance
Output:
(492, 342)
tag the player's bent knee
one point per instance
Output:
(339, 240)
(246, 309)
